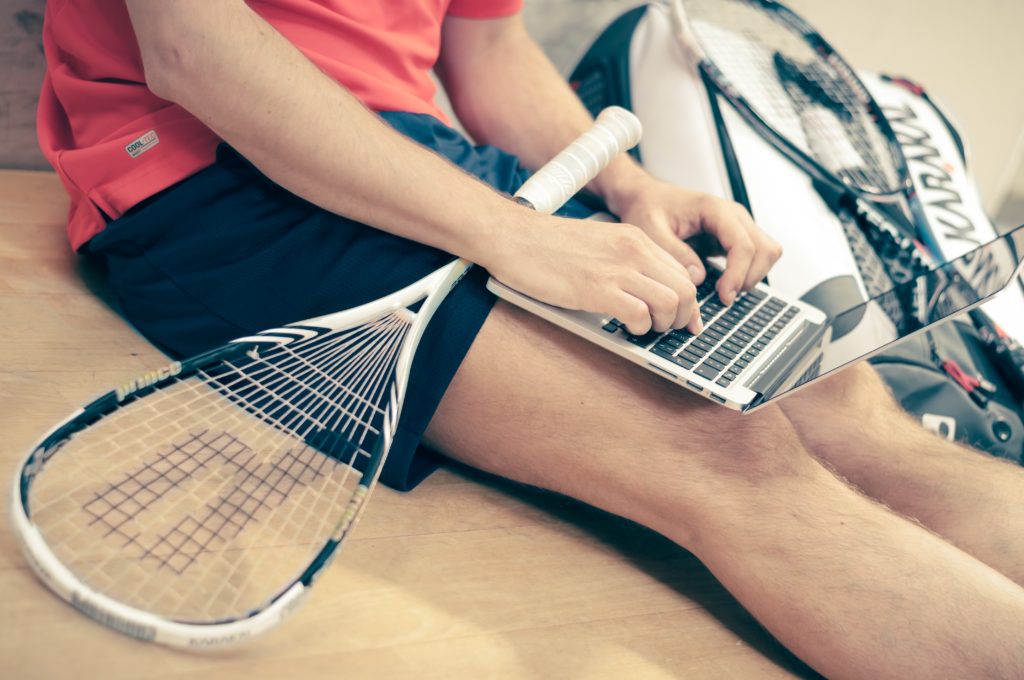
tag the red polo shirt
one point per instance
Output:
(114, 143)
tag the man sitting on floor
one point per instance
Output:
(865, 544)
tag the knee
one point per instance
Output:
(750, 451)
(855, 396)
(859, 385)
(752, 464)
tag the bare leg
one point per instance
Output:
(842, 581)
(972, 499)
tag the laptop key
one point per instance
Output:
(701, 344)
(725, 351)
(610, 327)
(691, 356)
(721, 358)
(644, 340)
(743, 337)
(683, 361)
(662, 351)
(733, 346)
(723, 381)
(714, 363)
(706, 372)
(732, 317)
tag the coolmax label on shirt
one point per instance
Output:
(142, 144)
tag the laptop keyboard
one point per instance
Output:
(732, 338)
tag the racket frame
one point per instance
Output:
(904, 195)
(614, 131)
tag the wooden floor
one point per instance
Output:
(466, 577)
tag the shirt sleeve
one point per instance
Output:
(484, 9)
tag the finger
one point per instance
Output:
(660, 299)
(630, 310)
(662, 234)
(767, 253)
(647, 258)
(637, 247)
(670, 298)
(687, 311)
(729, 228)
(681, 252)
(738, 257)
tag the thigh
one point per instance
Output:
(536, 404)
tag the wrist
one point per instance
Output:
(620, 183)
(501, 233)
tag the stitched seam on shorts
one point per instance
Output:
(201, 303)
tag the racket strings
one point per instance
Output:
(242, 504)
(255, 392)
(806, 95)
(263, 490)
(256, 434)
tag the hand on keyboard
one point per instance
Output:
(670, 215)
(608, 268)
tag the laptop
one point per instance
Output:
(766, 345)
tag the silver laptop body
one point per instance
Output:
(766, 345)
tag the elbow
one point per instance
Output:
(167, 65)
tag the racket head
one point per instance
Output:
(789, 83)
(195, 505)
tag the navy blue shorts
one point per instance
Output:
(227, 253)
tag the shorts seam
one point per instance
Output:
(184, 291)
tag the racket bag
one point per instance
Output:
(947, 378)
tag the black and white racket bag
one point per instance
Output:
(965, 379)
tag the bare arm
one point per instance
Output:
(238, 75)
(262, 95)
(506, 92)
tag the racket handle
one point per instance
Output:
(614, 131)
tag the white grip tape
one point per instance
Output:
(614, 131)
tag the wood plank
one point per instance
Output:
(32, 197)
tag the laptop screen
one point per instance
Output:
(929, 298)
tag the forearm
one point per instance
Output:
(506, 92)
(307, 133)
